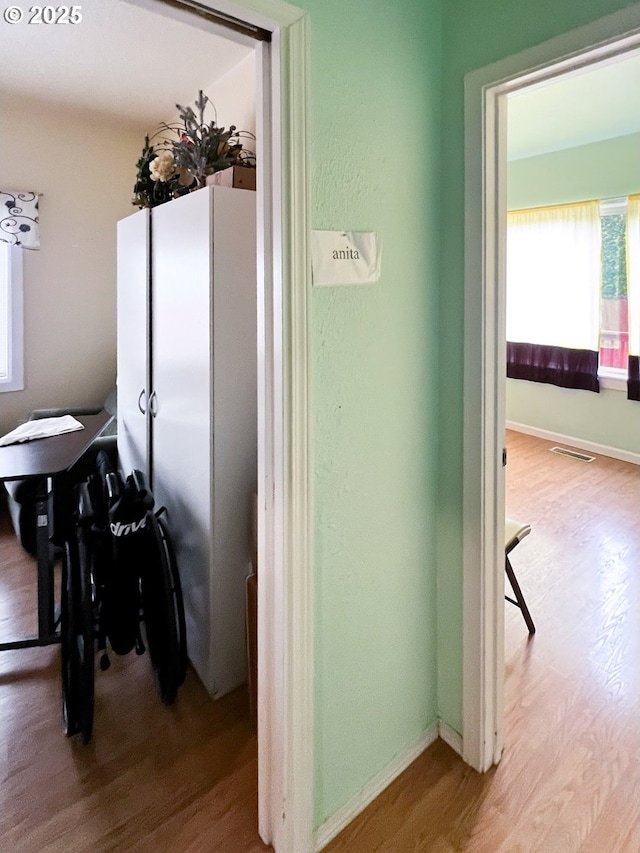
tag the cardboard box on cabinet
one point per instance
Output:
(239, 177)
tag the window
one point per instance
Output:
(553, 295)
(633, 296)
(11, 322)
(614, 311)
(567, 294)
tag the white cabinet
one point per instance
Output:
(134, 271)
(200, 396)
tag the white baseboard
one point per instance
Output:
(580, 443)
(451, 737)
(343, 817)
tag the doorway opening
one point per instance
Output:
(285, 638)
(284, 632)
(572, 147)
(486, 93)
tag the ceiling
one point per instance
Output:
(585, 107)
(126, 61)
(121, 60)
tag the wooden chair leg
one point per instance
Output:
(519, 602)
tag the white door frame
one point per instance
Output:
(486, 92)
(285, 591)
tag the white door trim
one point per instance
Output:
(285, 591)
(484, 357)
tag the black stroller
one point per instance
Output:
(118, 573)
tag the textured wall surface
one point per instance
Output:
(374, 144)
(85, 167)
(474, 35)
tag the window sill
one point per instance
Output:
(16, 385)
(612, 380)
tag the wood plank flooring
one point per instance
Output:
(569, 779)
(184, 778)
(153, 778)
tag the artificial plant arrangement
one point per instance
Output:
(186, 153)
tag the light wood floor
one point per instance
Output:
(153, 778)
(184, 779)
(569, 779)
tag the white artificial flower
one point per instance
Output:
(162, 167)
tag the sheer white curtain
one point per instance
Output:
(554, 275)
(633, 294)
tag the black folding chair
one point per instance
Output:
(515, 532)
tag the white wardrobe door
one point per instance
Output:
(235, 423)
(133, 280)
(181, 324)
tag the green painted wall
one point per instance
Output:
(387, 361)
(375, 135)
(475, 34)
(606, 418)
(599, 170)
(606, 169)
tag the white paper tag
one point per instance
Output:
(344, 257)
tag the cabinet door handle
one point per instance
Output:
(141, 397)
(153, 404)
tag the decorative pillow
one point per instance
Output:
(19, 219)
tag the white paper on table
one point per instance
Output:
(42, 428)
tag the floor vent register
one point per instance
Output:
(574, 454)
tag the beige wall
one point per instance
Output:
(234, 96)
(84, 166)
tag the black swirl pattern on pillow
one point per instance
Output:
(19, 219)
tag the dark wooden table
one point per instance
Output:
(44, 459)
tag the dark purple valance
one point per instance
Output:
(567, 368)
(633, 382)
